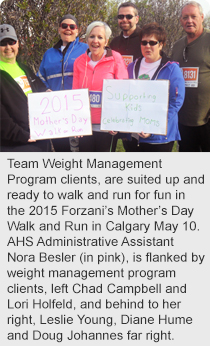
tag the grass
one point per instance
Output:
(120, 147)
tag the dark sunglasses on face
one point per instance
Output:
(7, 41)
(127, 16)
(65, 26)
(151, 43)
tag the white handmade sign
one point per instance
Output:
(59, 114)
(135, 106)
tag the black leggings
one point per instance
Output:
(164, 147)
(134, 146)
(194, 138)
(38, 146)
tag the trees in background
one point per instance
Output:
(207, 21)
(164, 12)
(36, 22)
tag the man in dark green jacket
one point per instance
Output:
(193, 54)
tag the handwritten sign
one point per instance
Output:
(135, 106)
(59, 114)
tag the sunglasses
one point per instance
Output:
(8, 41)
(65, 26)
(151, 43)
(127, 16)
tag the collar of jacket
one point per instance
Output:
(134, 34)
(60, 43)
(164, 62)
(108, 52)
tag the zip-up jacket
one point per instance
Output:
(111, 66)
(56, 68)
(168, 70)
(127, 46)
(14, 107)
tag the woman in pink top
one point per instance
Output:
(90, 69)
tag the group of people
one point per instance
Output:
(135, 54)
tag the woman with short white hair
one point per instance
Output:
(90, 69)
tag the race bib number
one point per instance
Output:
(128, 59)
(95, 99)
(190, 75)
(24, 84)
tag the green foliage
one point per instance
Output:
(165, 13)
(206, 23)
(36, 22)
(112, 7)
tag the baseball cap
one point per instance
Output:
(7, 31)
(68, 16)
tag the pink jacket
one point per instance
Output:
(111, 66)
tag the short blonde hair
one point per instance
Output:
(91, 26)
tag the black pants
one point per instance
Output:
(61, 144)
(38, 146)
(126, 144)
(164, 147)
(131, 146)
(194, 138)
(98, 142)
(134, 146)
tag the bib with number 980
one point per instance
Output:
(95, 99)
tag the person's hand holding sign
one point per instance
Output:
(144, 135)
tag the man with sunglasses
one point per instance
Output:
(193, 54)
(16, 80)
(127, 44)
